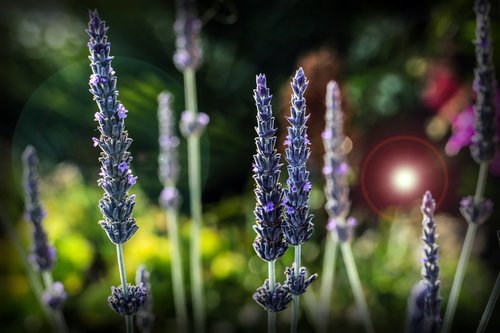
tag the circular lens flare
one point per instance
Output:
(404, 179)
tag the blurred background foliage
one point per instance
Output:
(405, 69)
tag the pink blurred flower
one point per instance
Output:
(463, 129)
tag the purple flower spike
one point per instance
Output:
(336, 168)
(113, 141)
(187, 30)
(430, 268)
(297, 285)
(273, 300)
(128, 304)
(193, 123)
(476, 213)
(484, 141)
(269, 242)
(55, 296)
(42, 255)
(298, 226)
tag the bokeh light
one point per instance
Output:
(404, 179)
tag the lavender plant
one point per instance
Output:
(43, 255)
(116, 177)
(145, 316)
(269, 243)
(340, 227)
(170, 199)
(297, 226)
(430, 268)
(187, 58)
(476, 209)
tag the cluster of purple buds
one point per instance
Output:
(55, 296)
(130, 303)
(274, 300)
(145, 316)
(475, 212)
(187, 29)
(167, 159)
(484, 141)
(430, 268)
(116, 178)
(297, 284)
(335, 167)
(298, 226)
(42, 254)
(269, 242)
(193, 123)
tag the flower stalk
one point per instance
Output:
(476, 209)
(170, 200)
(340, 227)
(116, 177)
(297, 226)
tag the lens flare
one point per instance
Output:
(404, 179)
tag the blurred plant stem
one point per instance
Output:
(177, 275)
(271, 316)
(490, 306)
(357, 290)
(195, 201)
(325, 294)
(58, 317)
(34, 280)
(129, 321)
(465, 254)
(295, 298)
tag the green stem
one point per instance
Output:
(295, 298)
(271, 316)
(177, 275)
(357, 290)
(490, 306)
(123, 278)
(58, 317)
(36, 285)
(464, 254)
(195, 201)
(329, 262)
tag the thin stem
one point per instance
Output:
(271, 316)
(195, 201)
(329, 262)
(490, 306)
(36, 285)
(123, 278)
(357, 290)
(295, 298)
(465, 254)
(57, 315)
(177, 274)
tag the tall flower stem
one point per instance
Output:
(489, 307)
(58, 317)
(123, 279)
(177, 274)
(271, 315)
(195, 201)
(357, 290)
(36, 285)
(329, 263)
(465, 254)
(295, 298)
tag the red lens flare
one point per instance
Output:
(398, 170)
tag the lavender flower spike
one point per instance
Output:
(55, 296)
(145, 316)
(430, 268)
(116, 176)
(335, 167)
(484, 141)
(42, 254)
(187, 29)
(130, 302)
(298, 226)
(269, 243)
(167, 159)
